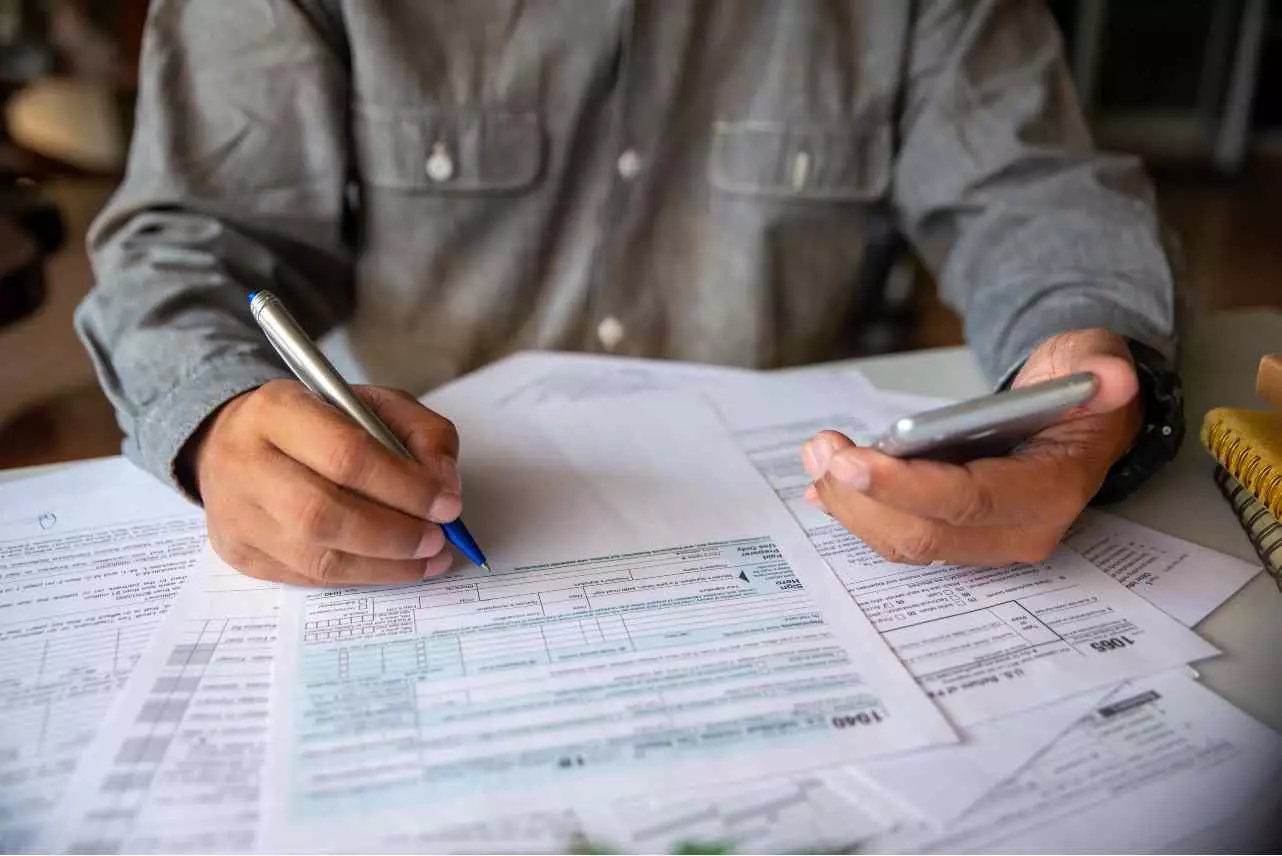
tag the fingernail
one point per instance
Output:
(446, 507)
(438, 565)
(850, 471)
(816, 455)
(808, 459)
(432, 542)
(812, 499)
(451, 481)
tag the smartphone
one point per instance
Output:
(986, 427)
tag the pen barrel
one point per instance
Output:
(314, 370)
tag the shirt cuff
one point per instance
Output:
(171, 420)
(1040, 326)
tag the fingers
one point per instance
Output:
(298, 564)
(322, 566)
(816, 454)
(899, 536)
(426, 434)
(295, 493)
(293, 526)
(319, 512)
(1009, 491)
(254, 563)
(993, 511)
(331, 445)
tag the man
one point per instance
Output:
(455, 181)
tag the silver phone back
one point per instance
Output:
(987, 426)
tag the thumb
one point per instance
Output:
(1100, 352)
(1118, 384)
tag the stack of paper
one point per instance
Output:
(673, 651)
(89, 561)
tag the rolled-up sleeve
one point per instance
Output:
(234, 183)
(1028, 229)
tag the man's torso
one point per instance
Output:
(695, 180)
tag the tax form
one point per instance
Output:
(943, 782)
(654, 616)
(1160, 759)
(984, 642)
(802, 814)
(1187, 581)
(792, 814)
(987, 642)
(177, 764)
(90, 559)
(772, 415)
(1184, 580)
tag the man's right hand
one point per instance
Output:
(295, 492)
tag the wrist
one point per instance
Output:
(191, 459)
(1160, 429)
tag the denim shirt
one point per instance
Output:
(690, 179)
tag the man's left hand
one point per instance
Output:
(993, 511)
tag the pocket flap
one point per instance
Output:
(448, 150)
(801, 161)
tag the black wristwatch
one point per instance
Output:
(1162, 400)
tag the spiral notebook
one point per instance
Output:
(1248, 443)
(1247, 446)
(1262, 528)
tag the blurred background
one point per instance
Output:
(1193, 86)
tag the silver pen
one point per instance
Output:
(318, 374)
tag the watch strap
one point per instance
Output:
(1162, 431)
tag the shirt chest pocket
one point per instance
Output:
(842, 163)
(458, 150)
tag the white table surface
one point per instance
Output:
(1220, 360)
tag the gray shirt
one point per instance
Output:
(454, 181)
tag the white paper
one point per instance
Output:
(803, 814)
(192, 782)
(178, 762)
(941, 783)
(178, 765)
(773, 416)
(1185, 580)
(90, 559)
(654, 616)
(984, 642)
(1162, 758)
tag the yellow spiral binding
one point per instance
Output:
(1248, 444)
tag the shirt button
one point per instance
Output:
(440, 166)
(610, 331)
(629, 165)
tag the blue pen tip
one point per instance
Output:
(252, 295)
